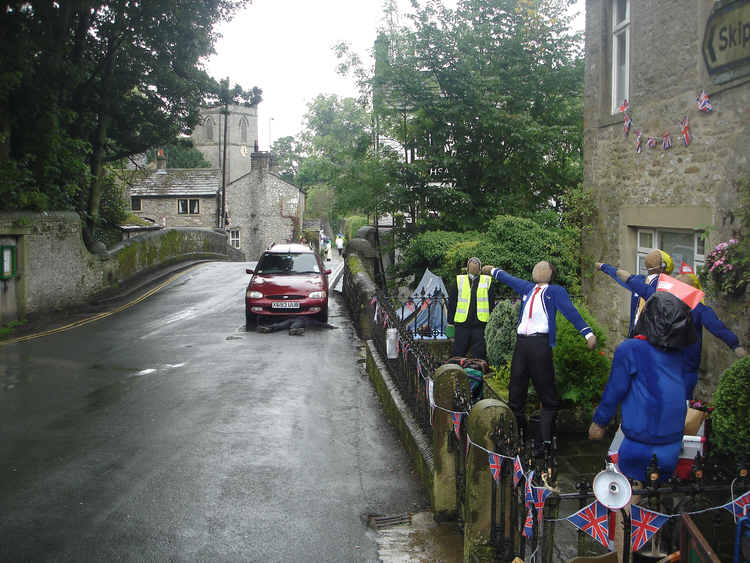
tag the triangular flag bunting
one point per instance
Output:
(529, 493)
(540, 496)
(496, 463)
(528, 525)
(594, 520)
(643, 524)
(517, 471)
(456, 419)
(737, 506)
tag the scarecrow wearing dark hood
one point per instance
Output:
(647, 380)
(470, 302)
(532, 357)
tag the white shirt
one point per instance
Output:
(538, 321)
(649, 279)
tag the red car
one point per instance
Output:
(289, 279)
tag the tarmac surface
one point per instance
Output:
(162, 430)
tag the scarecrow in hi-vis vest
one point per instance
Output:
(470, 302)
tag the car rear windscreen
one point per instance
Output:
(301, 263)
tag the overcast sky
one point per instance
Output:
(285, 48)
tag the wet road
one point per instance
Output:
(166, 432)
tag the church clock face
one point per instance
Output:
(243, 150)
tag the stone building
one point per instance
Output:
(260, 207)
(659, 56)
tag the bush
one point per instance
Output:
(428, 250)
(351, 224)
(731, 403)
(580, 373)
(500, 333)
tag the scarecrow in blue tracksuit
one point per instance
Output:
(647, 380)
(702, 314)
(535, 337)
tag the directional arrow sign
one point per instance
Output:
(726, 41)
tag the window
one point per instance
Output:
(209, 125)
(188, 206)
(8, 257)
(243, 130)
(234, 238)
(135, 203)
(620, 52)
(682, 246)
(294, 263)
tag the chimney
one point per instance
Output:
(260, 161)
(161, 161)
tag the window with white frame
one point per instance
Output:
(135, 203)
(234, 238)
(620, 52)
(681, 245)
(188, 207)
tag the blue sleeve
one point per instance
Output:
(637, 284)
(611, 271)
(618, 385)
(718, 328)
(521, 287)
(566, 307)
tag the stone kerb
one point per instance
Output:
(449, 379)
(483, 421)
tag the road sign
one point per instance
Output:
(726, 41)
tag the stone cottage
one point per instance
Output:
(260, 206)
(660, 57)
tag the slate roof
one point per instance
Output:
(176, 182)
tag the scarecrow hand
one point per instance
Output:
(740, 352)
(591, 342)
(596, 432)
(487, 270)
(598, 265)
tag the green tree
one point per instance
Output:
(181, 154)
(88, 83)
(491, 94)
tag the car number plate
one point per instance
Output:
(285, 304)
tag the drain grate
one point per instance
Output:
(379, 521)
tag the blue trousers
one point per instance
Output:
(634, 457)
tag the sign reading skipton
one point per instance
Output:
(726, 41)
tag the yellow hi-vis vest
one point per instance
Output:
(464, 296)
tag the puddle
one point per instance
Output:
(421, 540)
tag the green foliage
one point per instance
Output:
(428, 250)
(581, 374)
(500, 332)
(319, 202)
(8, 329)
(181, 154)
(351, 224)
(732, 403)
(726, 270)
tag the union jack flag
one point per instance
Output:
(529, 496)
(540, 495)
(643, 525)
(496, 463)
(456, 419)
(528, 526)
(517, 471)
(666, 142)
(373, 300)
(651, 142)
(704, 102)
(638, 144)
(738, 506)
(685, 131)
(425, 304)
(594, 520)
(624, 107)
(628, 123)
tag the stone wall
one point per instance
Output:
(55, 270)
(691, 188)
(163, 210)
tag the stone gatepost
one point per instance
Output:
(484, 419)
(450, 382)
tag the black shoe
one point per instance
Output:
(263, 329)
(297, 331)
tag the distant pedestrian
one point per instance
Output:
(340, 243)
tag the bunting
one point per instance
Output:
(456, 419)
(739, 506)
(529, 492)
(528, 525)
(651, 142)
(638, 144)
(627, 123)
(666, 141)
(704, 102)
(644, 523)
(685, 131)
(540, 496)
(517, 471)
(594, 520)
(496, 463)
(624, 107)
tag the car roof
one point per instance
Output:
(289, 249)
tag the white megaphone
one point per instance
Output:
(612, 488)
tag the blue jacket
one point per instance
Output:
(555, 299)
(637, 285)
(703, 315)
(649, 384)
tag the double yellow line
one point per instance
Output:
(98, 316)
